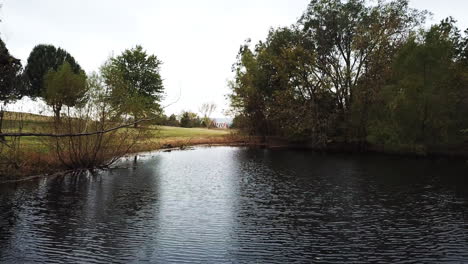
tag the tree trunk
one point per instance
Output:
(424, 117)
(57, 109)
(2, 138)
(135, 118)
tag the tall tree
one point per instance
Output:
(41, 60)
(295, 88)
(247, 97)
(135, 83)
(348, 35)
(317, 79)
(424, 102)
(64, 87)
(10, 79)
(10, 76)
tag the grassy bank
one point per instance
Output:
(162, 137)
(37, 155)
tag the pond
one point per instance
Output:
(241, 205)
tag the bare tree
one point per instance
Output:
(206, 111)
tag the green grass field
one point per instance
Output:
(180, 132)
(160, 134)
(34, 155)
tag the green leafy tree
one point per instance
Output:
(164, 120)
(348, 36)
(317, 79)
(10, 76)
(294, 89)
(64, 88)
(172, 121)
(190, 119)
(10, 79)
(135, 84)
(239, 122)
(248, 97)
(41, 60)
(424, 103)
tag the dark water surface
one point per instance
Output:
(239, 205)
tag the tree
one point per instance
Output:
(64, 87)
(317, 79)
(172, 121)
(206, 110)
(10, 79)
(10, 76)
(424, 103)
(299, 103)
(135, 83)
(348, 36)
(164, 120)
(41, 60)
(275, 89)
(247, 97)
(189, 119)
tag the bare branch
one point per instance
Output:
(78, 134)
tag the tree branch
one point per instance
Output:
(77, 134)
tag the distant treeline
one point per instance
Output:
(356, 73)
(186, 119)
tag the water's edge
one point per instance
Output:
(274, 143)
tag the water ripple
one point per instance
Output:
(238, 205)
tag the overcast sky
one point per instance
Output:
(197, 40)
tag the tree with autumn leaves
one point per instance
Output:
(355, 73)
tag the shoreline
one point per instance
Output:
(56, 169)
(251, 142)
(460, 153)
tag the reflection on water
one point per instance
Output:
(239, 205)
